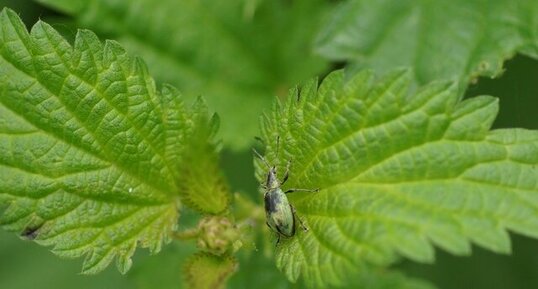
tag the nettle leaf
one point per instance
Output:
(230, 52)
(457, 40)
(399, 171)
(91, 155)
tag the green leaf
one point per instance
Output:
(457, 40)
(203, 186)
(206, 271)
(91, 154)
(231, 52)
(399, 171)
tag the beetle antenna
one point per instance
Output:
(277, 146)
(261, 158)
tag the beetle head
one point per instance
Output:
(272, 179)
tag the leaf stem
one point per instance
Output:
(186, 235)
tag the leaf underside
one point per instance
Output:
(399, 171)
(90, 152)
(458, 40)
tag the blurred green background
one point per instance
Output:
(25, 265)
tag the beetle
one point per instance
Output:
(280, 215)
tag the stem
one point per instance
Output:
(186, 235)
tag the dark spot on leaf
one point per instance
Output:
(31, 232)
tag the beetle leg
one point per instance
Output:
(286, 174)
(277, 240)
(301, 190)
(297, 217)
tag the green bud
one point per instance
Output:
(218, 235)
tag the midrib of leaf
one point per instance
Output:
(405, 150)
(101, 198)
(110, 223)
(420, 229)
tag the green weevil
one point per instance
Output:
(280, 215)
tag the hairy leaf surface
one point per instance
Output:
(400, 171)
(91, 154)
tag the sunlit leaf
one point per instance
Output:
(399, 171)
(91, 154)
